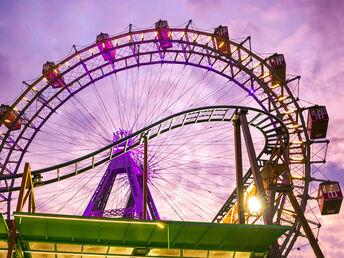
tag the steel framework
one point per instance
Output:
(139, 48)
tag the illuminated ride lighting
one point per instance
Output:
(159, 224)
(24, 98)
(254, 205)
(209, 39)
(282, 98)
(275, 86)
(142, 36)
(221, 45)
(297, 142)
(196, 37)
(245, 57)
(289, 112)
(234, 50)
(257, 65)
(7, 121)
(293, 126)
(265, 75)
(296, 158)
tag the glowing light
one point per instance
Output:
(169, 34)
(156, 33)
(298, 177)
(25, 99)
(7, 121)
(67, 64)
(296, 158)
(16, 110)
(252, 91)
(250, 188)
(222, 43)
(1, 133)
(142, 36)
(196, 37)
(289, 112)
(254, 67)
(254, 205)
(275, 86)
(234, 50)
(293, 126)
(91, 50)
(55, 71)
(34, 89)
(183, 34)
(245, 57)
(209, 39)
(282, 98)
(116, 41)
(297, 142)
(103, 44)
(288, 212)
(129, 37)
(45, 79)
(79, 56)
(265, 75)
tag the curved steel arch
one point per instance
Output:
(202, 46)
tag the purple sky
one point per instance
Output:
(310, 33)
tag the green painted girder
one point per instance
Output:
(77, 230)
(4, 232)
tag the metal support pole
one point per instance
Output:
(239, 176)
(254, 167)
(266, 210)
(145, 164)
(22, 198)
(305, 226)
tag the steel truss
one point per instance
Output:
(190, 47)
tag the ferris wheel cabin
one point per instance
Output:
(277, 63)
(105, 46)
(163, 34)
(53, 75)
(222, 45)
(317, 122)
(11, 117)
(330, 198)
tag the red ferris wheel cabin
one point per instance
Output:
(10, 118)
(330, 198)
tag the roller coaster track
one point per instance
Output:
(267, 123)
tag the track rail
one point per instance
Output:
(268, 124)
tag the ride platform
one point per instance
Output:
(48, 235)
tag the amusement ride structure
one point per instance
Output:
(160, 138)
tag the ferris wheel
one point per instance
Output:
(83, 123)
